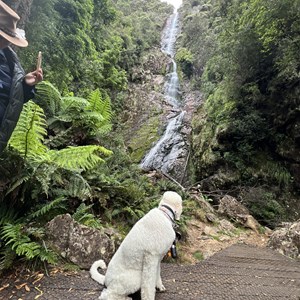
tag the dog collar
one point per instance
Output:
(169, 213)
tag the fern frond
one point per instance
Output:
(79, 187)
(106, 110)
(48, 97)
(7, 214)
(95, 101)
(18, 183)
(48, 255)
(78, 158)
(83, 216)
(46, 208)
(12, 233)
(18, 240)
(7, 258)
(29, 249)
(30, 132)
(100, 110)
(71, 103)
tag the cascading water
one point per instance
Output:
(168, 149)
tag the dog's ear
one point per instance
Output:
(178, 211)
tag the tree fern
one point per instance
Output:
(77, 158)
(30, 132)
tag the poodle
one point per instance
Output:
(136, 264)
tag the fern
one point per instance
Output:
(30, 131)
(100, 110)
(46, 208)
(77, 158)
(7, 214)
(71, 104)
(78, 187)
(82, 216)
(18, 239)
(7, 258)
(48, 97)
(18, 183)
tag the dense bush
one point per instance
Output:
(250, 79)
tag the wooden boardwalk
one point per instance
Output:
(238, 272)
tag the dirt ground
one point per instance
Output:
(205, 239)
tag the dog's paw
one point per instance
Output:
(161, 288)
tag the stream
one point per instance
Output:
(171, 146)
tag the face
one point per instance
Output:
(3, 42)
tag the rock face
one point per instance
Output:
(286, 240)
(80, 244)
(234, 210)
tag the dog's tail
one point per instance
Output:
(94, 271)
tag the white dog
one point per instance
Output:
(136, 264)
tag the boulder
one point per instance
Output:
(226, 226)
(286, 240)
(237, 212)
(231, 208)
(80, 244)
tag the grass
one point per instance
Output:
(198, 255)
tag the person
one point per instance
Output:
(16, 87)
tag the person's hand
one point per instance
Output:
(34, 77)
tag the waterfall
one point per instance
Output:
(168, 149)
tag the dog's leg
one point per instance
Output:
(149, 273)
(159, 285)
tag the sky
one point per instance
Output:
(175, 3)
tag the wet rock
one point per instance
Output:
(286, 240)
(80, 244)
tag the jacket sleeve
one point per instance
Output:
(29, 91)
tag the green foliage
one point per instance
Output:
(77, 158)
(185, 59)
(45, 210)
(198, 255)
(20, 240)
(268, 210)
(70, 34)
(85, 217)
(74, 118)
(30, 132)
(249, 81)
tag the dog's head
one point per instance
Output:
(174, 201)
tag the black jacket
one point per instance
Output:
(19, 94)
